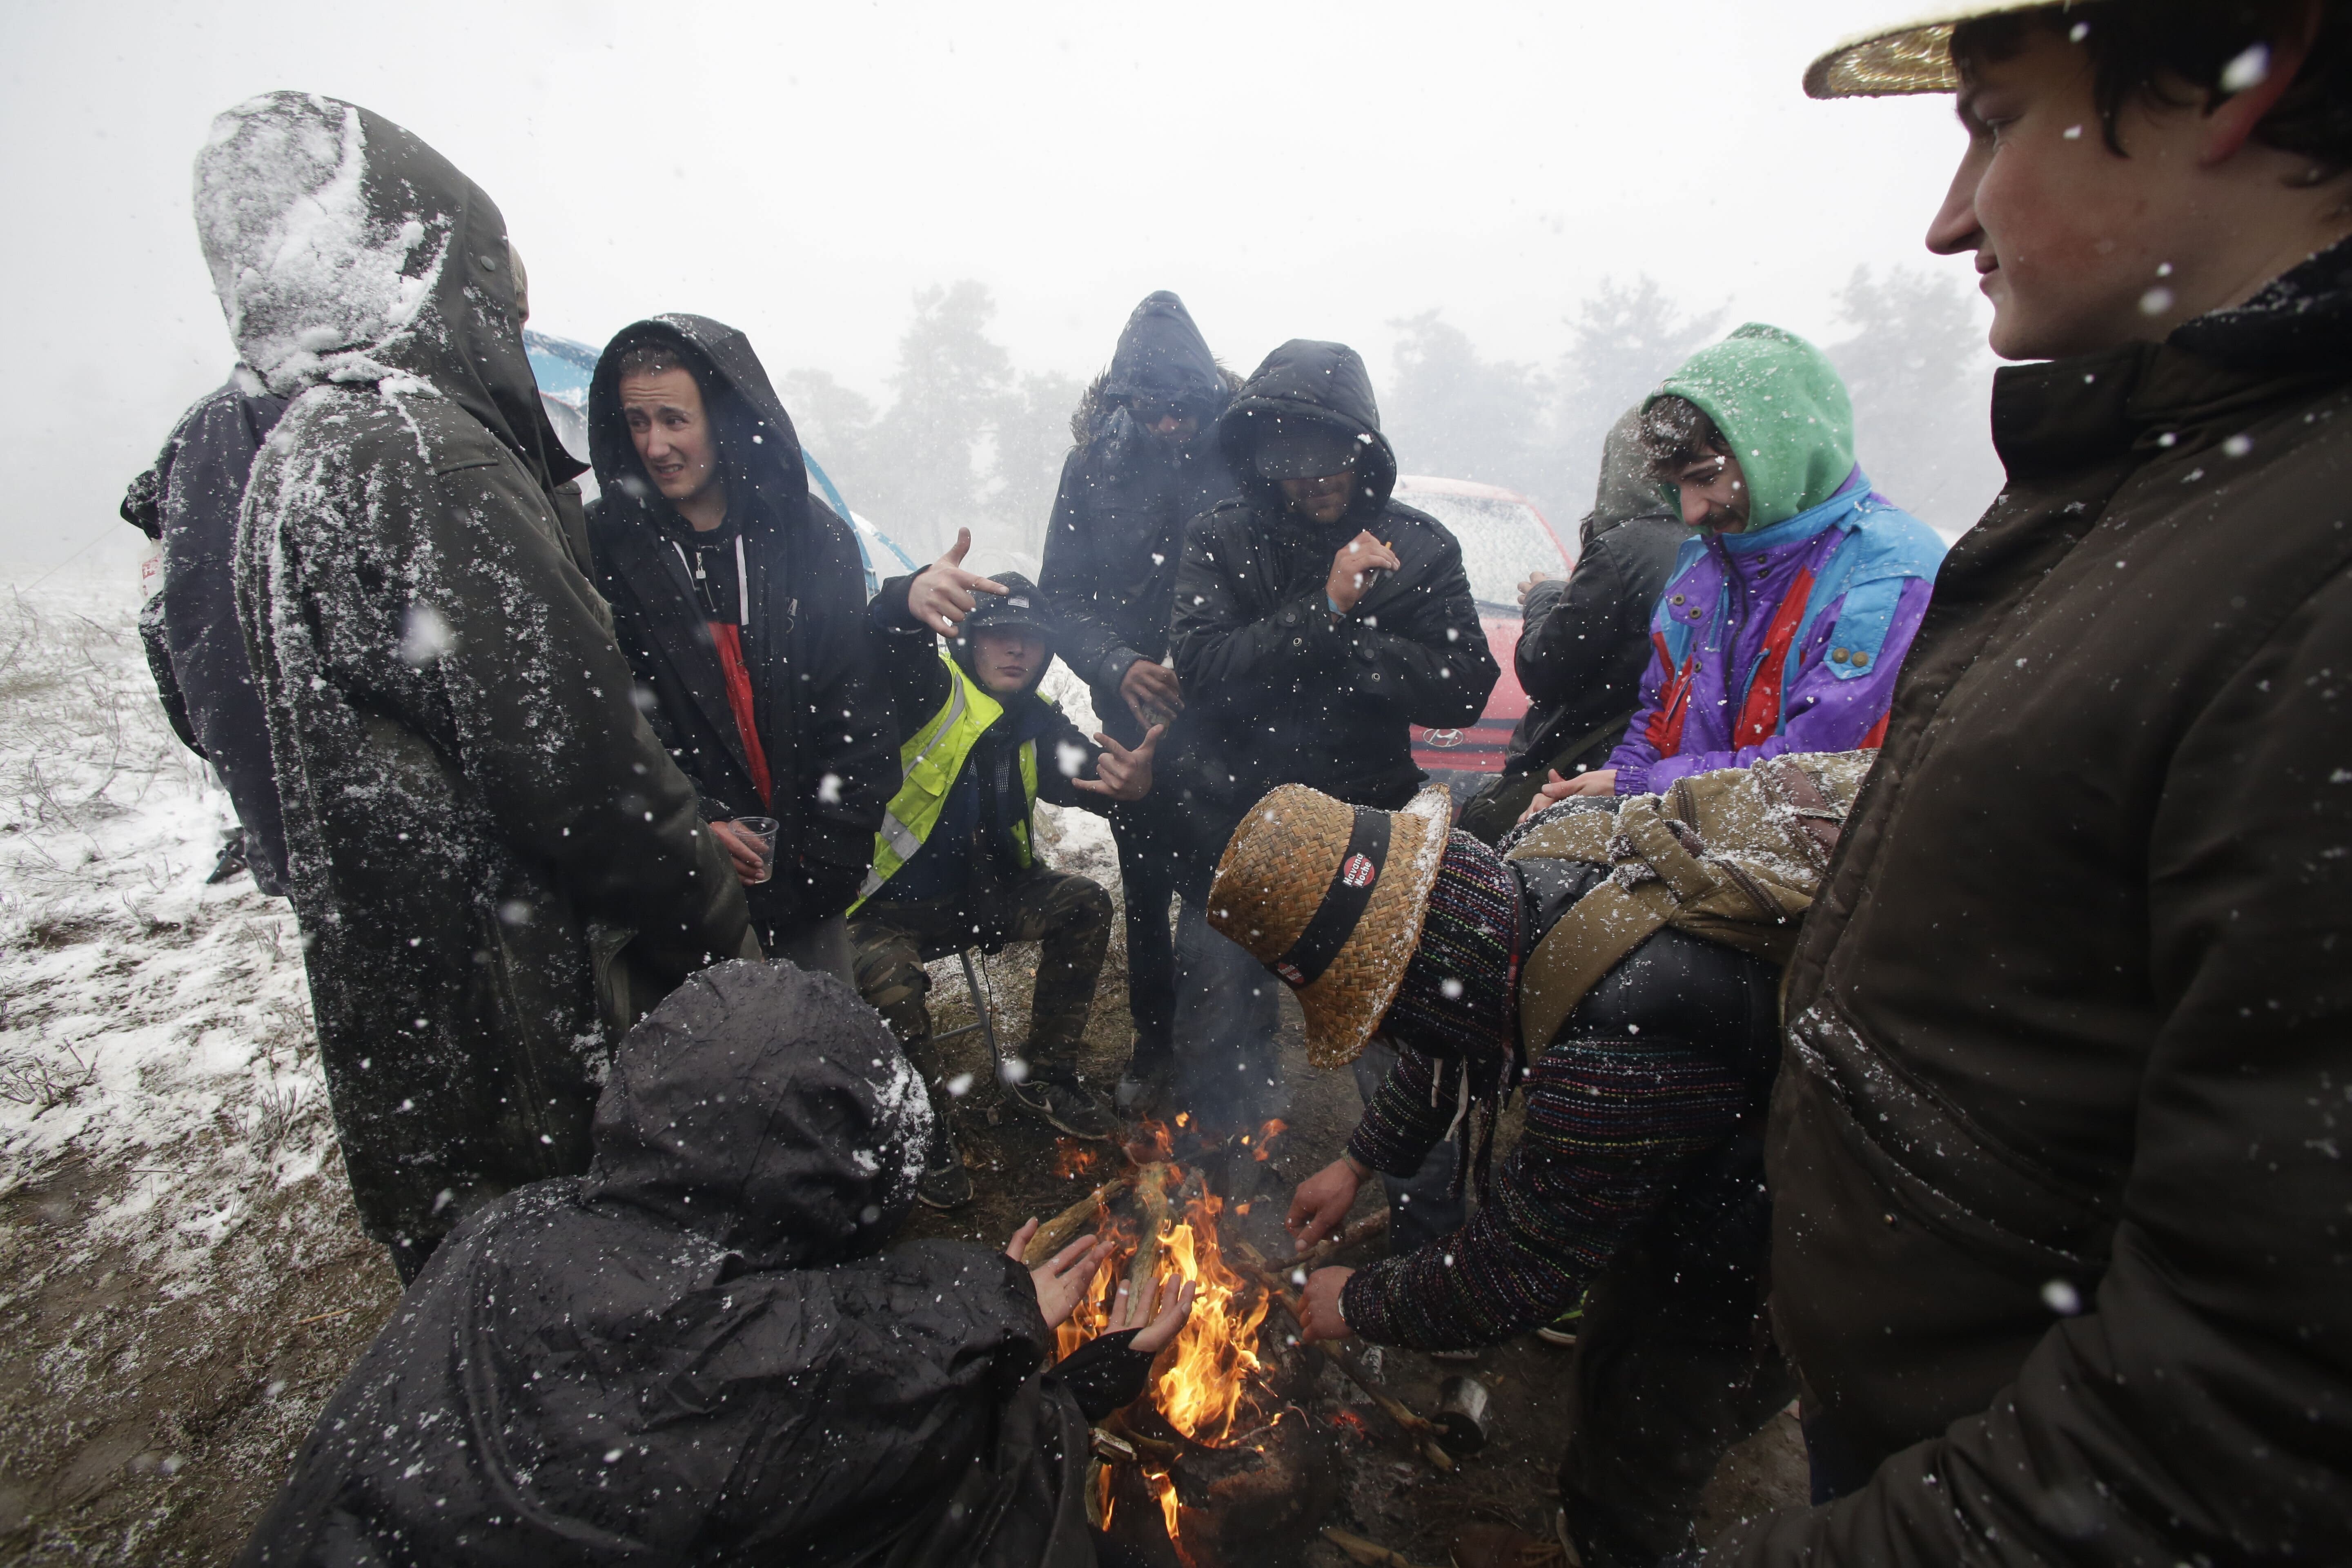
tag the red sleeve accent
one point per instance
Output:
(1877, 736)
(1665, 729)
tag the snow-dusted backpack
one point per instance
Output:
(1735, 856)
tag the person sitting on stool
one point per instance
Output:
(954, 862)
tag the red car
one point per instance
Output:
(1505, 539)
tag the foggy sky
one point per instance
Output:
(801, 170)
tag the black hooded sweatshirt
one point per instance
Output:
(1117, 528)
(696, 1354)
(816, 690)
(1277, 689)
(483, 837)
(1585, 642)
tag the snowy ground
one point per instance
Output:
(180, 1280)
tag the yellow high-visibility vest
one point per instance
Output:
(931, 760)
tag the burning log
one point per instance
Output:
(1423, 1432)
(1243, 1505)
(1151, 1198)
(1059, 1231)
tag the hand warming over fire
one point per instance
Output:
(1319, 1314)
(1063, 1278)
(1122, 773)
(1160, 1328)
(1322, 1201)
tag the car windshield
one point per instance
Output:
(1502, 542)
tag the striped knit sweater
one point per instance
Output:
(1612, 1126)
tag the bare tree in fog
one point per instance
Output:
(964, 442)
(1453, 412)
(1918, 370)
(1625, 338)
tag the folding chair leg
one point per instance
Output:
(980, 1008)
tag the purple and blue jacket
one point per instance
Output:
(1786, 640)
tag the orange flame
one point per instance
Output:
(1204, 1382)
(1274, 1128)
(1072, 1158)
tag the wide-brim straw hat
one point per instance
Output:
(1331, 897)
(1914, 56)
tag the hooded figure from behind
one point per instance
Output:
(696, 1354)
(746, 635)
(493, 859)
(1146, 463)
(1585, 642)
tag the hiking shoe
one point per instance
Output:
(944, 1184)
(1147, 1084)
(1562, 1330)
(232, 863)
(1068, 1105)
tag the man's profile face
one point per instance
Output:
(1323, 500)
(672, 433)
(1007, 657)
(2073, 244)
(1714, 493)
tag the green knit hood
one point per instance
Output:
(1785, 412)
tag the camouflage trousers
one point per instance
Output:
(1067, 916)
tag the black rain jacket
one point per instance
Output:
(188, 501)
(697, 1355)
(1584, 643)
(495, 863)
(1117, 537)
(816, 690)
(1278, 689)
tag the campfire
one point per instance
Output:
(1218, 1456)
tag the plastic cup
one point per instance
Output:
(764, 829)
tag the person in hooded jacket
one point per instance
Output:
(955, 864)
(1317, 621)
(1788, 615)
(496, 863)
(735, 595)
(188, 502)
(1145, 464)
(698, 1352)
(1584, 642)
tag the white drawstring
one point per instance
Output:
(742, 579)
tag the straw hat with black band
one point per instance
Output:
(1331, 897)
(1909, 57)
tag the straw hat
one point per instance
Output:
(1331, 897)
(1909, 56)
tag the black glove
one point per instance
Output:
(1105, 1374)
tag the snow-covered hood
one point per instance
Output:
(768, 1110)
(343, 250)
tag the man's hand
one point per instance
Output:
(742, 846)
(1529, 585)
(940, 597)
(1361, 555)
(1600, 781)
(1061, 1283)
(1160, 1328)
(1322, 1202)
(1120, 773)
(1152, 692)
(1319, 1314)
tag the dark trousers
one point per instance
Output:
(1673, 1366)
(1147, 875)
(1422, 1206)
(1068, 917)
